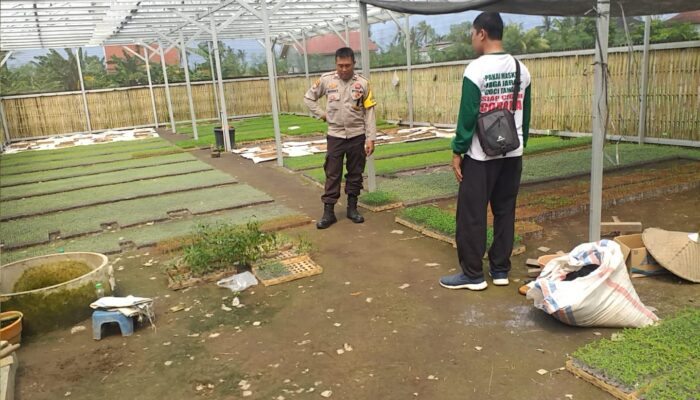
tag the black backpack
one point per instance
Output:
(496, 128)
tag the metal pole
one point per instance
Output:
(167, 86)
(5, 128)
(82, 91)
(273, 87)
(193, 116)
(347, 32)
(213, 78)
(150, 87)
(364, 49)
(409, 87)
(223, 116)
(600, 116)
(306, 59)
(645, 79)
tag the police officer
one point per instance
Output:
(351, 132)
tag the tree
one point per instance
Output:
(57, 73)
(128, 71)
(95, 74)
(424, 34)
(515, 41)
(461, 38)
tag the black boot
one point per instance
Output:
(353, 214)
(328, 218)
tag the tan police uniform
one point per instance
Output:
(351, 121)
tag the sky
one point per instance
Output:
(382, 34)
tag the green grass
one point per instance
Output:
(378, 198)
(579, 161)
(109, 241)
(544, 144)
(433, 218)
(383, 151)
(420, 186)
(83, 220)
(441, 221)
(389, 166)
(254, 129)
(539, 144)
(82, 151)
(119, 191)
(661, 359)
(86, 181)
(86, 160)
(536, 167)
(260, 128)
(43, 176)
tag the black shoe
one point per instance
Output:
(328, 218)
(353, 214)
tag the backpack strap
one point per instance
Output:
(516, 86)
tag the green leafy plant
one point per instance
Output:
(378, 198)
(661, 360)
(433, 218)
(442, 221)
(221, 246)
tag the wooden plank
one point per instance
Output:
(384, 207)
(627, 227)
(600, 383)
(531, 262)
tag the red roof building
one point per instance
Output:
(172, 57)
(689, 16)
(328, 44)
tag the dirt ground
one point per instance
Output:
(407, 341)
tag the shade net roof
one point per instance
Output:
(536, 7)
(26, 24)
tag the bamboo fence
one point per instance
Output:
(561, 97)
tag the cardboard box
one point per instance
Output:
(638, 260)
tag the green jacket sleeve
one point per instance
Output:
(468, 113)
(526, 115)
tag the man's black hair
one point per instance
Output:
(345, 52)
(492, 23)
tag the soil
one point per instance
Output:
(406, 336)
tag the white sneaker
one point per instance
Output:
(500, 279)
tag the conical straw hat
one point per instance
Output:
(675, 251)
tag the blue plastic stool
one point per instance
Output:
(99, 318)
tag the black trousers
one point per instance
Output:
(354, 150)
(494, 182)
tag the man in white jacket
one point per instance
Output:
(484, 180)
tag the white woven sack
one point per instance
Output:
(603, 298)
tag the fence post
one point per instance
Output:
(645, 81)
(224, 115)
(150, 87)
(167, 86)
(82, 91)
(272, 77)
(5, 128)
(409, 88)
(364, 46)
(193, 116)
(600, 118)
(213, 79)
